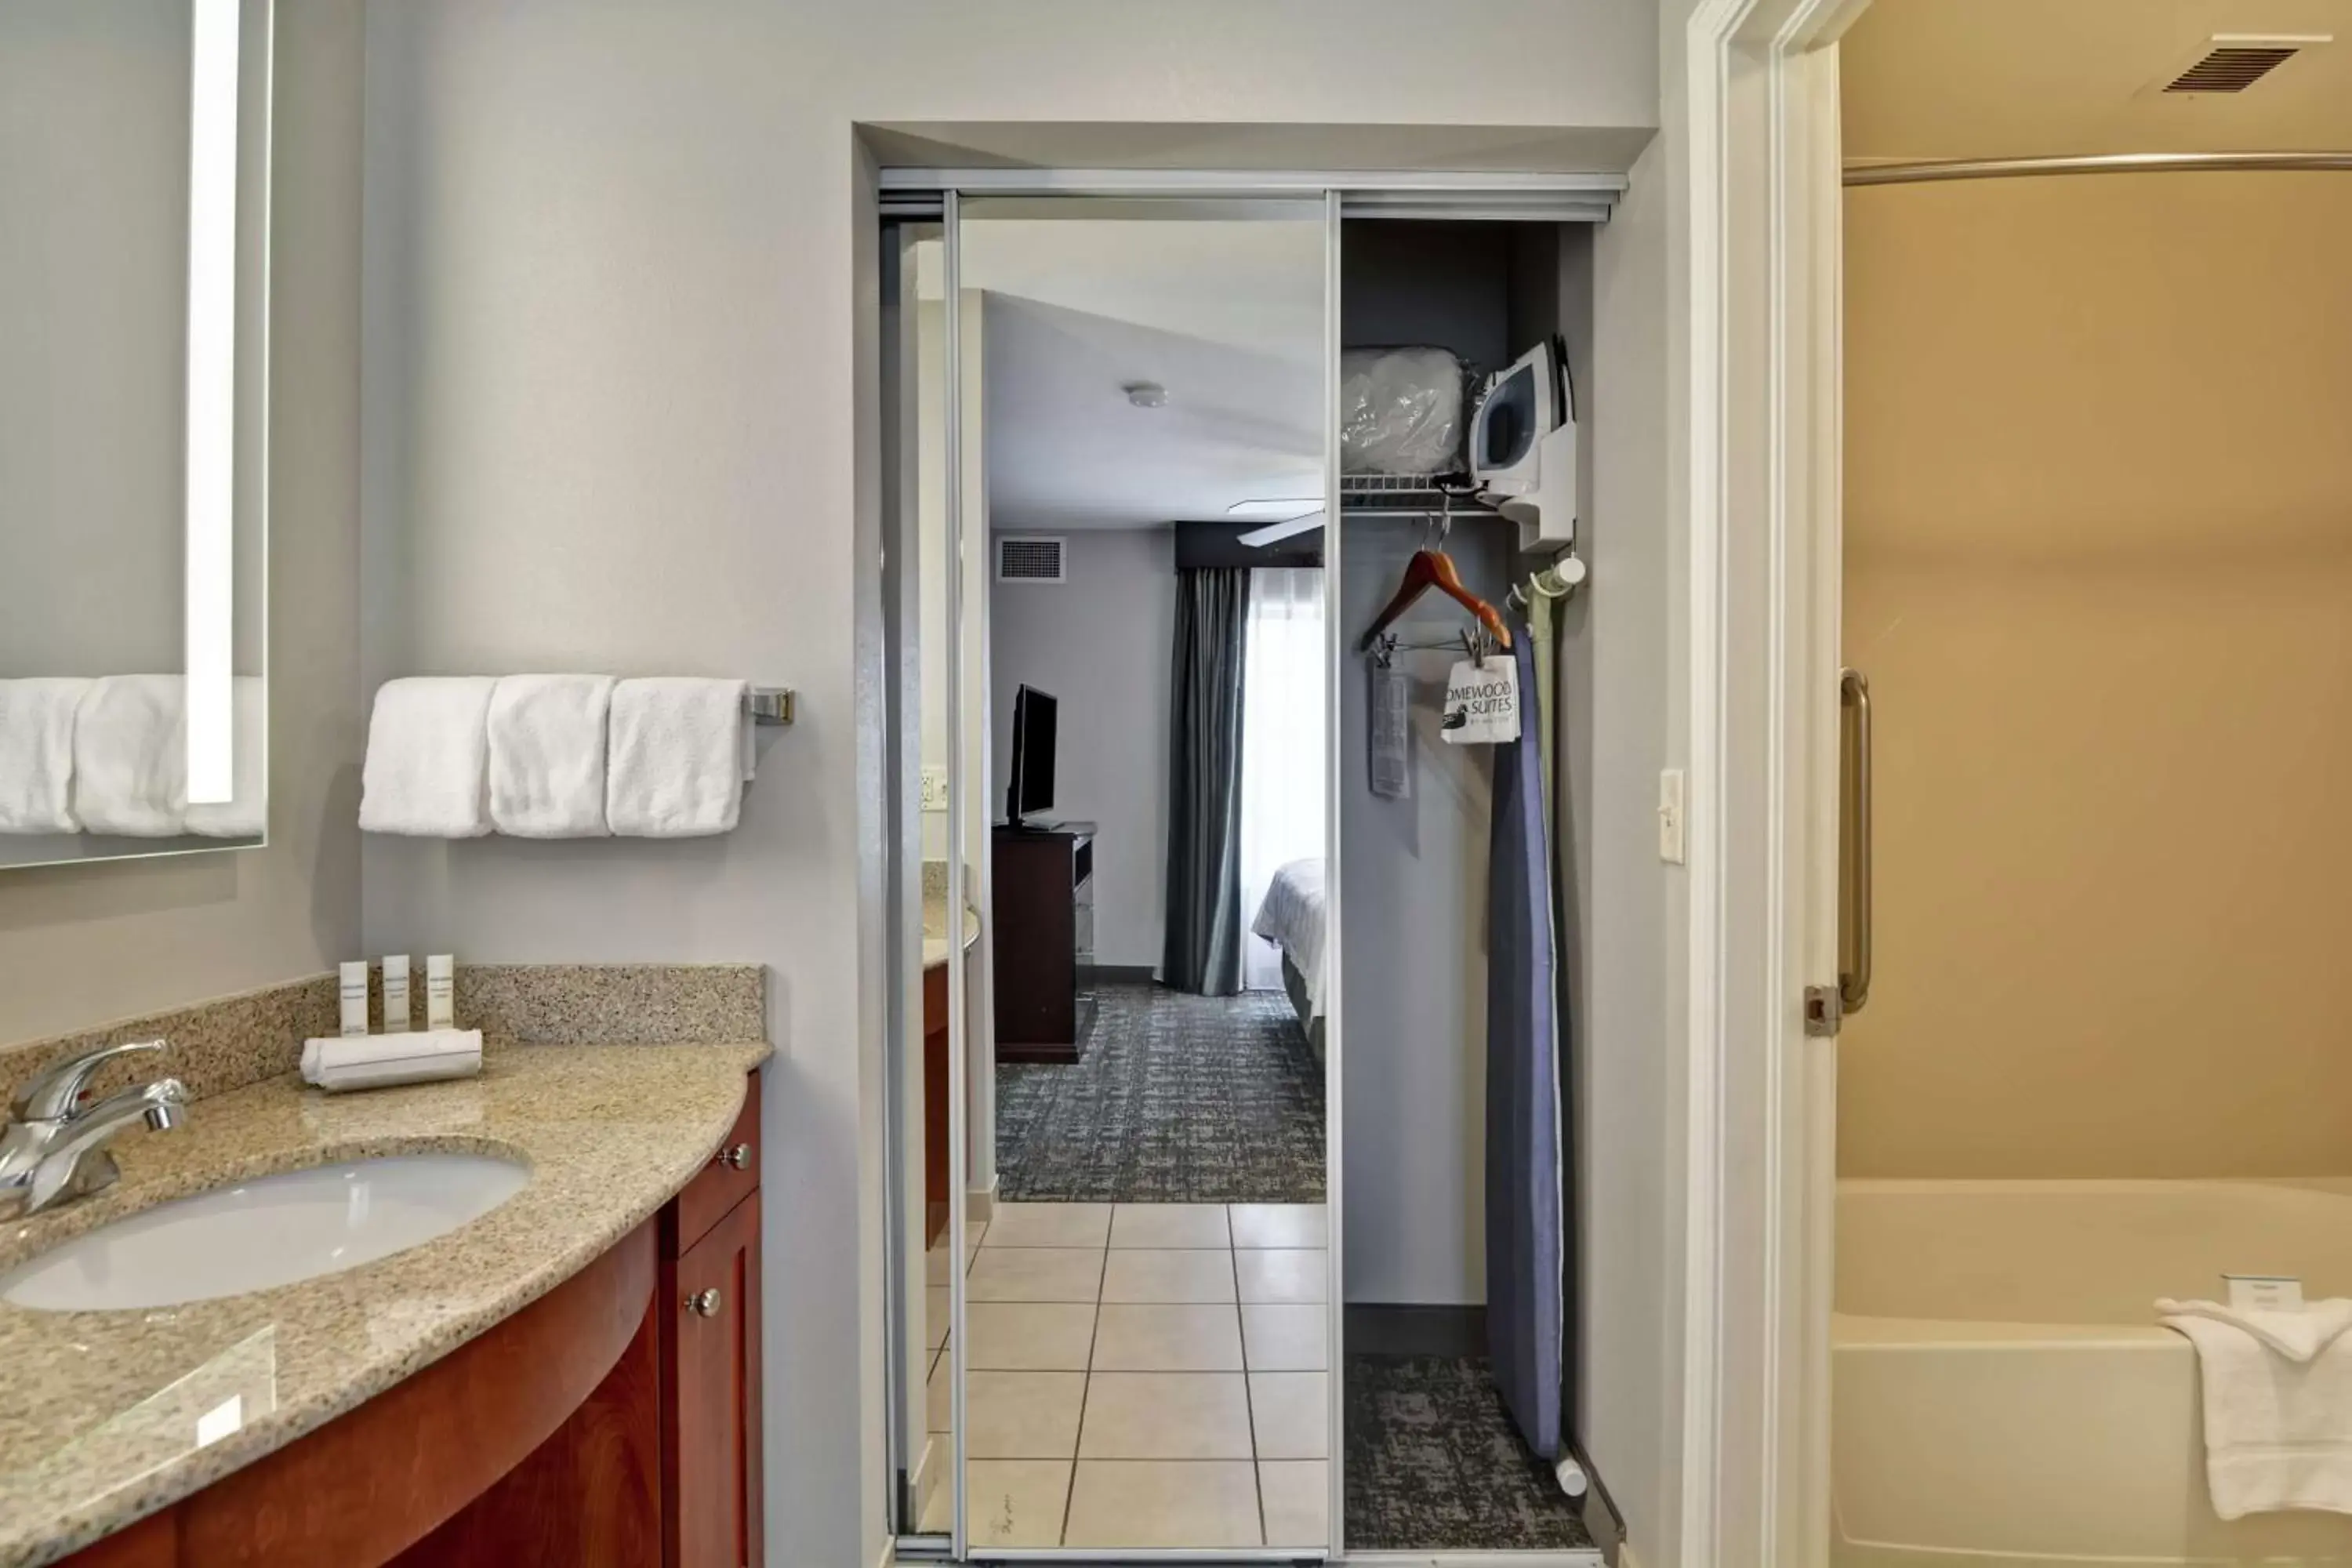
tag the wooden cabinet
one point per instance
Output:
(613, 1423)
(937, 1161)
(1042, 891)
(710, 1399)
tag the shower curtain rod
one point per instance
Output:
(2090, 164)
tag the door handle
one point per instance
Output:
(1855, 835)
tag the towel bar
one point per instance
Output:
(769, 704)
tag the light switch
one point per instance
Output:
(935, 789)
(1670, 817)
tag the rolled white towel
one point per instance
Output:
(676, 763)
(245, 814)
(427, 770)
(377, 1061)
(37, 733)
(131, 756)
(547, 756)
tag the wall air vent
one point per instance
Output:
(1026, 558)
(2232, 62)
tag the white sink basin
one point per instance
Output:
(270, 1231)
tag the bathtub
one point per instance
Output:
(2001, 1394)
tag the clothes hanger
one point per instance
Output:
(1434, 569)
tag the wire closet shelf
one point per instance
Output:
(1411, 495)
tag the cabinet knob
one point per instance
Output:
(738, 1158)
(705, 1304)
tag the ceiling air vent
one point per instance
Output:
(2233, 62)
(1029, 559)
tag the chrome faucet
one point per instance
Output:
(54, 1148)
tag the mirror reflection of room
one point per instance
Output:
(1146, 1300)
(134, 147)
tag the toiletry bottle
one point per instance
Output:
(440, 992)
(354, 994)
(395, 994)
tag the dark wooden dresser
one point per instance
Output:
(1042, 890)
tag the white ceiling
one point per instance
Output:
(1966, 79)
(1226, 313)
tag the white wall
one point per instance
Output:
(619, 321)
(82, 945)
(1413, 882)
(2098, 567)
(1100, 644)
(1617, 660)
(929, 323)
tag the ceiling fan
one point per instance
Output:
(1287, 523)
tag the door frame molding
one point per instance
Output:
(1760, 385)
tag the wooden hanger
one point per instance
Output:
(1434, 569)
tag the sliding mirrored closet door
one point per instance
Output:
(1138, 804)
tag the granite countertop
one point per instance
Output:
(99, 1426)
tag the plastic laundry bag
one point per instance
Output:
(1401, 411)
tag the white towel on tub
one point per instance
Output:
(2278, 1402)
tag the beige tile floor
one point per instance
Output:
(1142, 1374)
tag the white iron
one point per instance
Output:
(1523, 447)
(1517, 408)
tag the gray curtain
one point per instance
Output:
(1202, 950)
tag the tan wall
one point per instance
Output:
(2099, 570)
(83, 944)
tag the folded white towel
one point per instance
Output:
(131, 756)
(2278, 1403)
(245, 814)
(37, 730)
(377, 1061)
(427, 770)
(547, 756)
(676, 768)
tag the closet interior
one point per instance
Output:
(1459, 1171)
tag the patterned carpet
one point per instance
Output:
(1178, 1098)
(1434, 1461)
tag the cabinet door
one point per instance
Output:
(712, 1444)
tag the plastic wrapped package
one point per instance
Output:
(1401, 411)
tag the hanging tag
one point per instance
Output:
(2264, 1292)
(1482, 702)
(1391, 771)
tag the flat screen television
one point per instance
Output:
(1031, 785)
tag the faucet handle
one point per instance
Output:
(51, 1094)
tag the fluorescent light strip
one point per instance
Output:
(212, 400)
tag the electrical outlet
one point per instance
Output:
(1670, 817)
(935, 789)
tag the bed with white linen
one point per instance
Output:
(1294, 917)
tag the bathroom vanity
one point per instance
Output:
(572, 1377)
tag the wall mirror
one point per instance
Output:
(133, 441)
